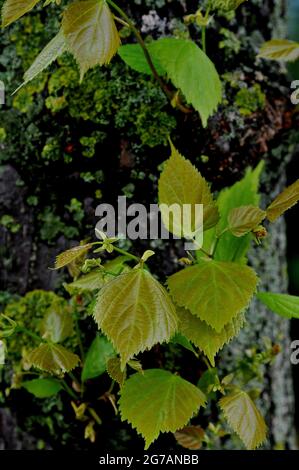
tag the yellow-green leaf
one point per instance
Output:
(87, 282)
(284, 305)
(90, 33)
(57, 324)
(204, 336)
(71, 255)
(181, 183)
(190, 437)
(245, 419)
(158, 401)
(135, 312)
(115, 372)
(243, 219)
(53, 49)
(284, 201)
(12, 10)
(214, 291)
(280, 49)
(52, 358)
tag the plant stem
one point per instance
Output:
(205, 252)
(125, 253)
(68, 389)
(203, 38)
(78, 334)
(95, 416)
(148, 58)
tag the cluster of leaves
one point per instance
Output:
(204, 306)
(89, 33)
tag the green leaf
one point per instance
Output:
(115, 372)
(57, 324)
(245, 419)
(52, 358)
(190, 437)
(96, 358)
(90, 33)
(204, 336)
(134, 57)
(284, 201)
(12, 10)
(244, 192)
(280, 49)
(187, 66)
(180, 339)
(190, 70)
(214, 291)
(158, 401)
(243, 219)
(54, 49)
(209, 382)
(181, 183)
(87, 282)
(42, 388)
(135, 312)
(284, 305)
(71, 255)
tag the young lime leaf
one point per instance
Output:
(243, 219)
(42, 388)
(204, 336)
(190, 70)
(245, 192)
(213, 291)
(190, 437)
(180, 339)
(12, 10)
(96, 358)
(209, 382)
(135, 365)
(90, 33)
(57, 325)
(284, 305)
(146, 255)
(87, 282)
(52, 358)
(158, 401)
(134, 57)
(71, 255)
(181, 183)
(225, 5)
(175, 58)
(135, 312)
(245, 419)
(280, 49)
(284, 201)
(53, 49)
(115, 372)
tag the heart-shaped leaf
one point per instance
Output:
(181, 183)
(204, 336)
(214, 291)
(158, 401)
(90, 33)
(244, 418)
(52, 358)
(243, 219)
(135, 312)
